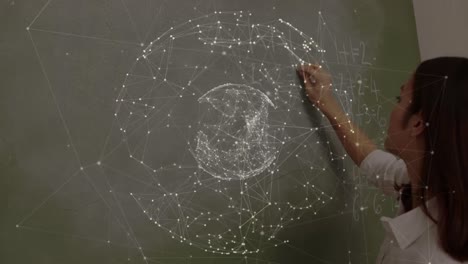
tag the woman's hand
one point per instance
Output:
(317, 83)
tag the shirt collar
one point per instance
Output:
(408, 227)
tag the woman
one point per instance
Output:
(425, 163)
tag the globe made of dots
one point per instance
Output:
(234, 142)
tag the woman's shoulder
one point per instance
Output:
(414, 238)
(385, 171)
(428, 248)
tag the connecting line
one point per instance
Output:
(38, 14)
(294, 54)
(253, 216)
(67, 34)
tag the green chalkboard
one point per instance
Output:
(177, 132)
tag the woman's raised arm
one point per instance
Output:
(318, 87)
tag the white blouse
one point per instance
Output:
(410, 237)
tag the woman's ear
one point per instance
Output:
(417, 125)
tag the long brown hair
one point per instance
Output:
(440, 94)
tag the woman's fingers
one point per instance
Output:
(317, 82)
(307, 74)
(309, 67)
(312, 70)
(316, 73)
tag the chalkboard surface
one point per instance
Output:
(177, 131)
